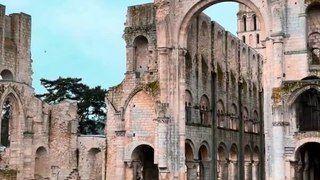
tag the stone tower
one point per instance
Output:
(248, 27)
(15, 56)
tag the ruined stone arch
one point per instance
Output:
(140, 113)
(42, 163)
(198, 6)
(17, 117)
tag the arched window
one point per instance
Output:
(220, 114)
(204, 110)
(307, 107)
(141, 56)
(245, 118)
(244, 20)
(94, 163)
(188, 107)
(203, 159)
(247, 163)
(315, 56)
(221, 164)
(234, 117)
(244, 39)
(258, 38)
(254, 19)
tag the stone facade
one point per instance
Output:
(198, 103)
(38, 140)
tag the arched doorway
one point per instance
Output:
(308, 159)
(143, 163)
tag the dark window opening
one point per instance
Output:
(244, 19)
(5, 123)
(308, 111)
(254, 22)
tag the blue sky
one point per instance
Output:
(72, 39)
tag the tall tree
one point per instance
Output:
(91, 101)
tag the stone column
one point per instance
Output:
(247, 171)
(233, 173)
(206, 168)
(119, 164)
(255, 170)
(28, 158)
(278, 145)
(191, 170)
(278, 61)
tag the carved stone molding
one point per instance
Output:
(280, 123)
(120, 133)
(162, 120)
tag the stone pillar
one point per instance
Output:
(129, 170)
(278, 146)
(255, 170)
(233, 173)
(247, 171)
(225, 173)
(191, 170)
(119, 169)
(206, 168)
(278, 61)
(28, 159)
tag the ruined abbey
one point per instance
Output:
(196, 103)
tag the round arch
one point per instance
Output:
(204, 151)
(199, 6)
(132, 146)
(189, 150)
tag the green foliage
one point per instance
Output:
(90, 101)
